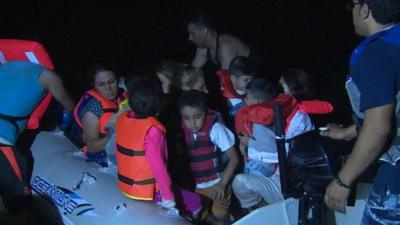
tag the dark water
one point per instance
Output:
(310, 34)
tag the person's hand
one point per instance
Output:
(66, 120)
(169, 206)
(336, 196)
(218, 191)
(243, 151)
(334, 131)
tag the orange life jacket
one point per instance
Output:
(24, 50)
(109, 108)
(135, 178)
(227, 88)
(263, 113)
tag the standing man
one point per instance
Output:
(214, 53)
(212, 46)
(22, 87)
(373, 88)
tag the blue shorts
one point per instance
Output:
(383, 205)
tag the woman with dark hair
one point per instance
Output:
(95, 109)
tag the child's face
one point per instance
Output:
(199, 85)
(285, 86)
(240, 82)
(193, 118)
(249, 99)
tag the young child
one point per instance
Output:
(234, 81)
(205, 139)
(165, 71)
(141, 149)
(298, 83)
(260, 182)
(188, 78)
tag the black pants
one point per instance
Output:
(14, 191)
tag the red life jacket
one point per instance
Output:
(135, 178)
(227, 88)
(24, 50)
(202, 152)
(109, 107)
(263, 113)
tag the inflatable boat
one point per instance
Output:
(286, 212)
(76, 192)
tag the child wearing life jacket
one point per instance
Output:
(95, 109)
(298, 83)
(142, 151)
(206, 138)
(259, 183)
(233, 81)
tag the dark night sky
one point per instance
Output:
(316, 35)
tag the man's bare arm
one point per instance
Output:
(200, 58)
(370, 142)
(52, 82)
(227, 53)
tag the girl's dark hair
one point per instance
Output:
(144, 97)
(299, 83)
(262, 89)
(193, 98)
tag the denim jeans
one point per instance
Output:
(97, 157)
(383, 205)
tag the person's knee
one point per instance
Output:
(238, 183)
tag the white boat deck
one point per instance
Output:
(86, 193)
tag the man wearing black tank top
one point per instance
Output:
(215, 52)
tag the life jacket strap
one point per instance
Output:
(130, 181)
(199, 144)
(204, 157)
(13, 119)
(110, 110)
(130, 152)
(205, 173)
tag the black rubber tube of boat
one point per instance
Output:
(279, 123)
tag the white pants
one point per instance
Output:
(251, 189)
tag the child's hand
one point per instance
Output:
(218, 192)
(169, 206)
(243, 150)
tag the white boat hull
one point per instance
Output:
(85, 193)
(286, 212)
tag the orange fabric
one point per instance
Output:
(227, 88)
(37, 114)
(16, 50)
(9, 154)
(131, 158)
(105, 104)
(263, 113)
